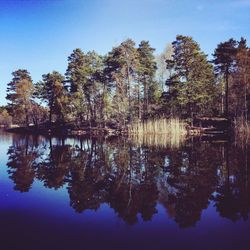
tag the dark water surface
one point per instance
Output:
(97, 194)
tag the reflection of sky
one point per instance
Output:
(50, 211)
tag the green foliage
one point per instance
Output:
(191, 87)
(5, 118)
(125, 85)
(225, 60)
(19, 94)
(225, 57)
(51, 90)
(121, 68)
(239, 88)
(84, 74)
(146, 72)
(75, 64)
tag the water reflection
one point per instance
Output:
(132, 180)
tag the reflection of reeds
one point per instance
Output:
(242, 130)
(161, 132)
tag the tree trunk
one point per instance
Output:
(50, 116)
(103, 108)
(129, 94)
(27, 120)
(139, 103)
(145, 101)
(226, 93)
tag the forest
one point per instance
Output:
(132, 85)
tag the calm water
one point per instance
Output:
(91, 194)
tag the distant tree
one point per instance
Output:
(19, 94)
(162, 73)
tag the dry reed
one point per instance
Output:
(161, 132)
(242, 130)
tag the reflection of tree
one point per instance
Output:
(87, 183)
(134, 189)
(232, 198)
(190, 181)
(132, 179)
(53, 170)
(21, 163)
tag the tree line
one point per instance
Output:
(131, 84)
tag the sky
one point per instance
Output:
(39, 35)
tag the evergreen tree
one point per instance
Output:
(191, 85)
(84, 75)
(146, 71)
(52, 91)
(19, 94)
(75, 63)
(240, 87)
(91, 85)
(225, 63)
(121, 64)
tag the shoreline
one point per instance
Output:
(66, 131)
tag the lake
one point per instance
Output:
(69, 193)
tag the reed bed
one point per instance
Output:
(160, 132)
(242, 131)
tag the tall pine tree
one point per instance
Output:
(225, 64)
(19, 94)
(146, 71)
(191, 84)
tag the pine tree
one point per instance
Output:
(120, 70)
(91, 85)
(192, 85)
(146, 71)
(240, 87)
(225, 63)
(19, 93)
(75, 63)
(52, 91)
(84, 74)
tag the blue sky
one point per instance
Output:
(39, 35)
